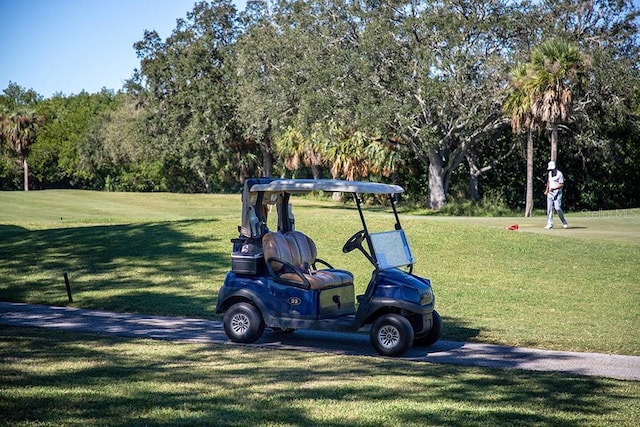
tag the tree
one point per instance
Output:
(117, 153)
(556, 69)
(16, 97)
(541, 92)
(517, 106)
(261, 106)
(295, 150)
(435, 77)
(346, 154)
(294, 81)
(188, 96)
(550, 85)
(69, 121)
(20, 130)
(490, 148)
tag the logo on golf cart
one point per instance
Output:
(295, 301)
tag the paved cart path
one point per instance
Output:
(210, 331)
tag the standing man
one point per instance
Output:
(555, 183)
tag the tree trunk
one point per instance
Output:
(314, 160)
(205, 180)
(267, 164)
(474, 176)
(439, 172)
(475, 172)
(437, 191)
(554, 142)
(267, 157)
(528, 208)
(316, 171)
(25, 167)
(473, 185)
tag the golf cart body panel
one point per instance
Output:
(287, 306)
(289, 301)
(275, 282)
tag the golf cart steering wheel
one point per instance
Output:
(354, 242)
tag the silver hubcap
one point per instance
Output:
(388, 336)
(240, 323)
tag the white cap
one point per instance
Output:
(551, 166)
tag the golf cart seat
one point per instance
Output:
(291, 258)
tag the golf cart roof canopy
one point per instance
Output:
(331, 185)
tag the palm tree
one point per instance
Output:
(294, 148)
(20, 130)
(354, 155)
(556, 67)
(517, 105)
(345, 153)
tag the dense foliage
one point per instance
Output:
(454, 99)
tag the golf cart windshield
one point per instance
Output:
(391, 249)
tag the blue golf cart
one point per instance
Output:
(277, 280)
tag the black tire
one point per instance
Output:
(391, 335)
(243, 323)
(433, 335)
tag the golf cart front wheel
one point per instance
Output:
(391, 335)
(243, 323)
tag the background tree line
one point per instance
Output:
(454, 99)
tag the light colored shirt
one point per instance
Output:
(556, 180)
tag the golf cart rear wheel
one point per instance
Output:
(391, 335)
(433, 335)
(243, 323)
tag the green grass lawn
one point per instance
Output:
(51, 379)
(575, 289)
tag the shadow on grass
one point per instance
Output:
(160, 267)
(457, 329)
(116, 381)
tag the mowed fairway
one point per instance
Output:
(574, 289)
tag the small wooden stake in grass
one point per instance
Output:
(66, 284)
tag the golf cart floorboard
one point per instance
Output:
(337, 324)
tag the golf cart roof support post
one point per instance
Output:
(371, 256)
(356, 198)
(258, 206)
(394, 200)
(284, 222)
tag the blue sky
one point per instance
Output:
(70, 45)
(73, 45)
